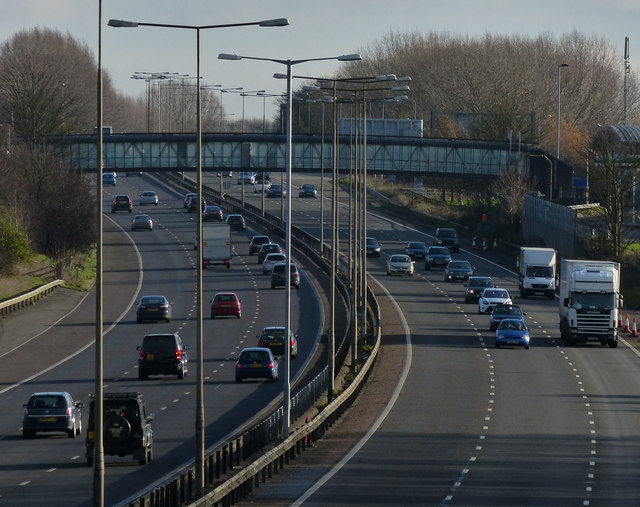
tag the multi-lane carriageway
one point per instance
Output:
(467, 425)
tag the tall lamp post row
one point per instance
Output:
(200, 422)
(287, 188)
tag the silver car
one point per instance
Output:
(400, 264)
(141, 222)
(270, 260)
(148, 197)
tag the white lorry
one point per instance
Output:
(216, 245)
(537, 271)
(590, 300)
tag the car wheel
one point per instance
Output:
(427, 267)
(182, 374)
(28, 433)
(139, 320)
(79, 428)
(90, 459)
(273, 379)
(213, 315)
(273, 286)
(238, 380)
(239, 315)
(497, 345)
(130, 210)
(388, 273)
(526, 347)
(142, 374)
(167, 320)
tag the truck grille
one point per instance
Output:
(596, 324)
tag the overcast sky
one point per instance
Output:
(318, 29)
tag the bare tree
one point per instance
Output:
(611, 179)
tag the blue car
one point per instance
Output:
(512, 332)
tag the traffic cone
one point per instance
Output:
(620, 325)
(634, 329)
(626, 328)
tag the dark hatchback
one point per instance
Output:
(276, 190)
(373, 247)
(437, 257)
(279, 275)
(236, 222)
(256, 362)
(52, 412)
(121, 203)
(268, 248)
(256, 243)
(153, 308)
(475, 286)
(162, 354)
(272, 337)
(213, 213)
(458, 270)
(501, 312)
(416, 250)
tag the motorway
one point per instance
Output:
(469, 424)
(51, 468)
(473, 425)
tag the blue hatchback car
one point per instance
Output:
(512, 332)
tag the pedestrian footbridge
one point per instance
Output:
(310, 153)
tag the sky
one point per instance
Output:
(317, 30)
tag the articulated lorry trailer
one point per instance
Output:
(537, 272)
(590, 301)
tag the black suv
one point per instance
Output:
(162, 354)
(448, 237)
(126, 430)
(121, 202)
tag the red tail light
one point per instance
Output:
(68, 412)
(272, 364)
(141, 355)
(179, 354)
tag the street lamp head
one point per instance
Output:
(404, 88)
(563, 65)
(404, 79)
(121, 23)
(274, 22)
(227, 56)
(386, 77)
(278, 75)
(349, 58)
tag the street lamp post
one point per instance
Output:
(558, 123)
(200, 420)
(289, 64)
